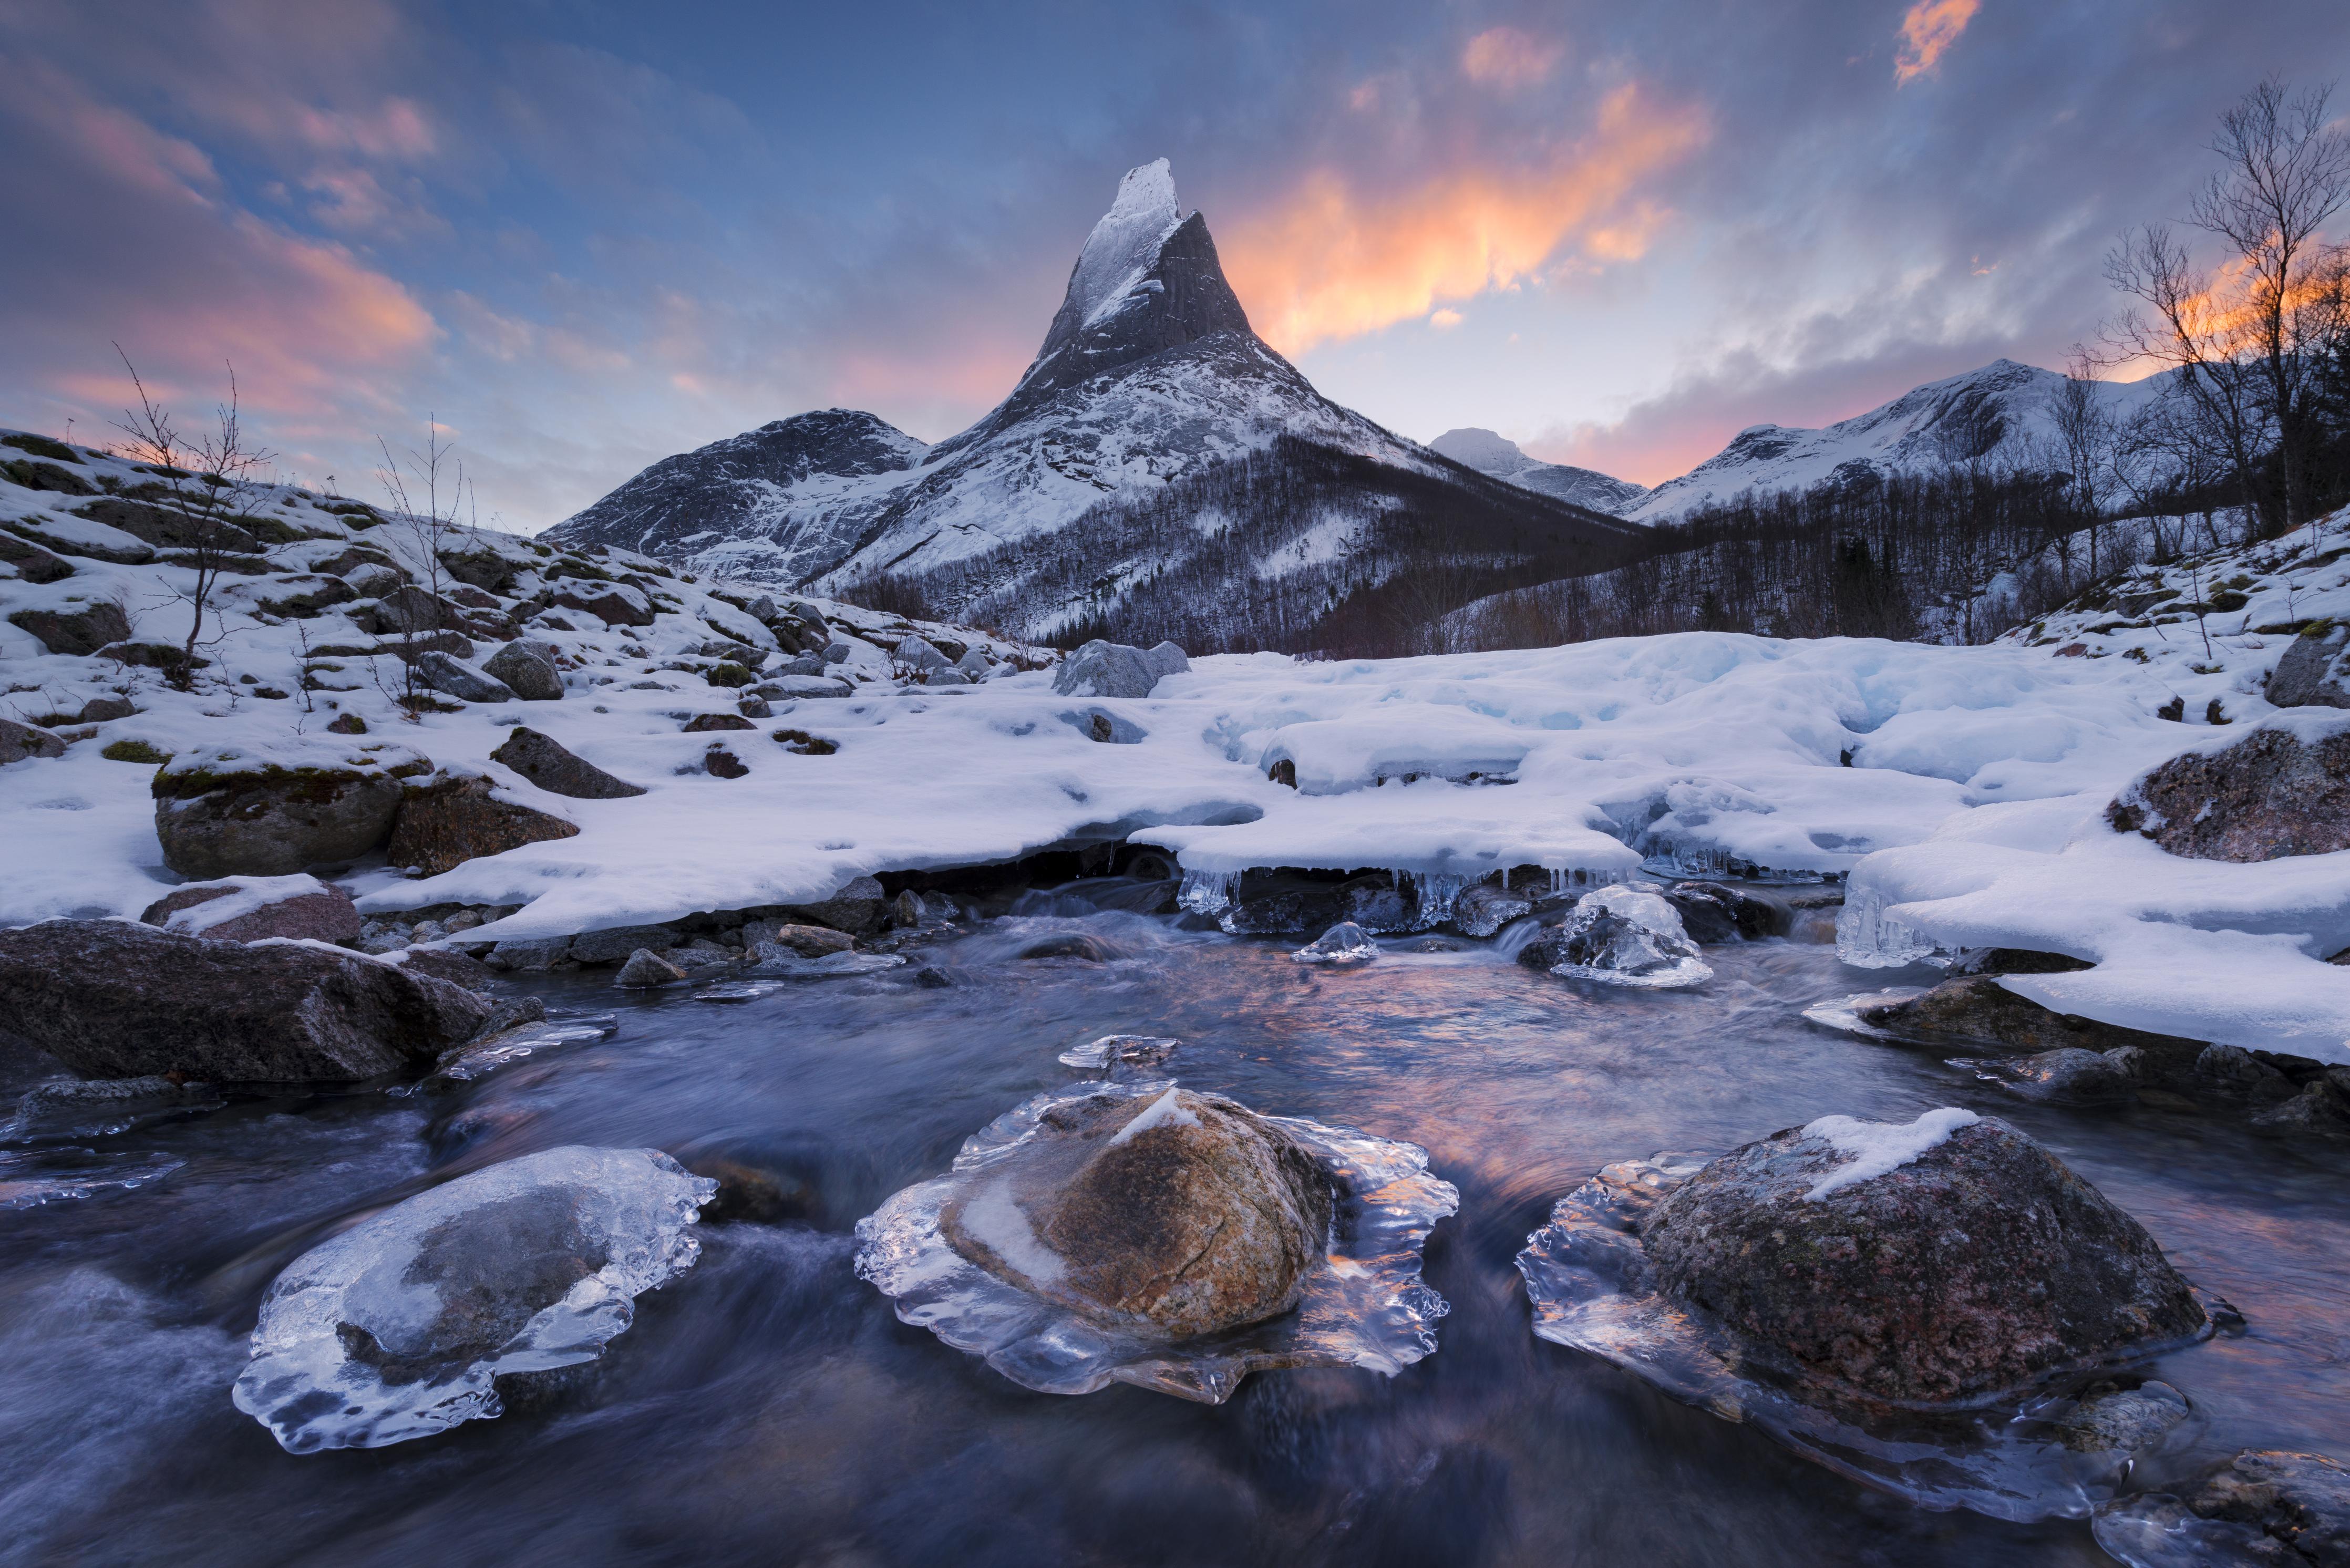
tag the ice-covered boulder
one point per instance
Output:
(1622, 935)
(453, 817)
(2284, 789)
(406, 1324)
(528, 670)
(807, 941)
(1186, 1211)
(271, 811)
(112, 999)
(2069, 1076)
(2313, 672)
(1343, 943)
(546, 764)
(1102, 668)
(1947, 1260)
(1485, 907)
(249, 908)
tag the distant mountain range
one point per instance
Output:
(1149, 376)
(1490, 454)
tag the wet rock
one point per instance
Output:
(225, 811)
(906, 910)
(114, 999)
(527, 669)
(445, 964)
(2017, 961)
(307, 910)
(2279, 791)
(545, 763)
(645, 970)
(1978, 1007)
(2069, 1076)
(102, 1107)
(931, 977)
(528, 954)
(2111, 1418)
(451, 818)
(425, 1314)
(1070, 945)
(859, 907)
(1977, 1268)
(614, 604)
(1486, 907)
(74, 630)
(1345, 943)
(615, 943)
(2313, 672)
(1270, 903)
(1186, 1211)
(1712, 913)
(1102, 668)
(749, 1195)
(446, 675)
(18, 742)
(2320, 1109)
(807, 941)
(2263, 1508)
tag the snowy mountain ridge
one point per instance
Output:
(2000, 413)
(1489, 452)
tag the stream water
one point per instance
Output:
(768, 1408)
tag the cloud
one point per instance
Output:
(1927, 31)
(1333, 259)
(1509, 59)
(1444, 320)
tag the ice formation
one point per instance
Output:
(1873, 1149)
(1112, 1052)
(1343, 943)
(1367, 1306)
(1630, 936)
(400, 1327)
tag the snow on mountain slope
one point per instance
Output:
(1488, 452)
(2000, 413)
(1149, 372)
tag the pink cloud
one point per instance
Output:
(1509, 59)
(1927, 30)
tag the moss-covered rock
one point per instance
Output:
(225, 811)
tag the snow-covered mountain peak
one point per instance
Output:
(1487, 452)
(1121, 249)
(1490, 452)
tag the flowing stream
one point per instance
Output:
(768, 1408)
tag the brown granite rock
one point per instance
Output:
(448, 819)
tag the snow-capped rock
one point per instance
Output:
(1488, 452)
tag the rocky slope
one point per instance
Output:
(1490, 454)
(1148, 375)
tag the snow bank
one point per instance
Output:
(1873, 1149)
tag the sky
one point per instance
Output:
(579, 237)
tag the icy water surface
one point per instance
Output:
(768, 1408)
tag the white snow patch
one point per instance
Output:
(1166, 1111)
(1875, 1148)
(993, 1219)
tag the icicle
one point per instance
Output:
(1207, 892)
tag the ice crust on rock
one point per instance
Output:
(400, 1327)
(1873, 1149)
(1345, 943)
(1626, 936)
(1363, 1305)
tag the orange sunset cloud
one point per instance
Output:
(1335, 260)
(1927, 31)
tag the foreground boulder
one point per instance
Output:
(452, 818)
(1951, 1259)
(545, 763)
(2284, 789)
(249, 908)
(1622, 935)
(114, 999)
(18, 742)
(1979, 1009)
(232, 811)
(2265, 1506)
(1188, 1212)
(418, 1317)
(2313, 672)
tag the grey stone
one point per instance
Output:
(950, 676)
(1102, 668)
(786, 688)
(1712, 913)
(2069, 1076)
(528, 954)
(528, 671)
(1165, 658)
(18, 742)
(547, 765)
(645, 970)
(2265, 796)
(614, 604)
(273, 821)
(2110, 1418)
(615, 943)
(445, 674)
(859, 907)
(807, 941)
(918, 652)
(373, 579)
(449, 819)
(115, 999)
(75, 632)
(2313, 672)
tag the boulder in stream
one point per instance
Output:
(111, 999)
(1345, 943)
(423, 1316)
(1619, 935)
(249, 908)
(2264, 1508)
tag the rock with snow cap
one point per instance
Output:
(240, 811)
(546, 764)
(454, 817)
(2284, 789)
(1950, 1259)
(528, 670)
(445, 674)
(1102, 668)
(249, 908)
(2313, 672)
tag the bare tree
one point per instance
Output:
(2287, 173)
(206, 482)
(2084, 438)
(437, 479)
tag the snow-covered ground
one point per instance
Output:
(1959, 789)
